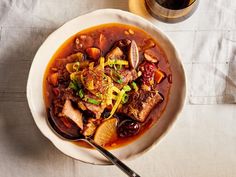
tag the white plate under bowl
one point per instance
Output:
(57, 38)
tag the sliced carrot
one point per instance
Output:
(159, 76)
(53, 79)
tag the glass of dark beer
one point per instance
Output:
(171, 10)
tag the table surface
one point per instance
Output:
(201, 143)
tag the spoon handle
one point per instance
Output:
(112, 158)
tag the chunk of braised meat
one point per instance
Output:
(64, 94)
(73, 114)
(115, 53)
(121, 77)
(79, 56)
(60, 63)
(96, 109)
(123, 44)
(63, 77)
(69, 94)
(93, 80)
(60, 75)
(83, 42)
(140, 104)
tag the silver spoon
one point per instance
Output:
(74, 135)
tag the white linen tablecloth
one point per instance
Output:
(202, 142)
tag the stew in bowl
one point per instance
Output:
(106, 80)
(119, 78)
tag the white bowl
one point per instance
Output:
(54, 41)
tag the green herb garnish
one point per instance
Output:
(125, 98)
(119, 81)
(126, 88)
(134, 85)
(81, 93)
(74, 85)
(93, 101)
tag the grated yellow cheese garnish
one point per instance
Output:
(117, 103)
(115, 89)
(102, 60)
(116, 62)
(109, 96)
(91, 65)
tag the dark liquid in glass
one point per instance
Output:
(174, 4)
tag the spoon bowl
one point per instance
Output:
(72, 134)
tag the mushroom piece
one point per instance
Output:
(133, 55)
(115, 53)
(73, 114)
(150, 58)
(96, 109)
(149, 43)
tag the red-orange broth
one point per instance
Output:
(112, 33)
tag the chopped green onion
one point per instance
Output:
(73, 85)
(125, 98)
(126, 88)
(135, 87)
(93, 101)
(119, 81)
(81, 93)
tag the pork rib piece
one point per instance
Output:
(140, 104)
